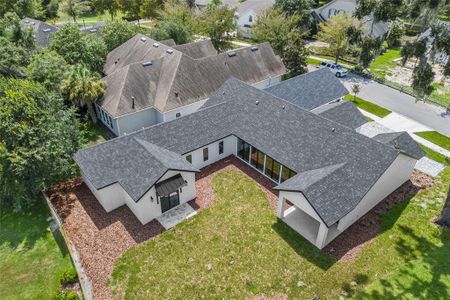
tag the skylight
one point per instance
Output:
(170, 51)
(143, 39)
(156, 45)
(147, 63)
(254, 48)
(231, 53)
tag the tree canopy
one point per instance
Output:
(13, 59)
(37, 136)
(117, 32)
(172, 29)
(48, 68)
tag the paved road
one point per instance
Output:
(427, 114)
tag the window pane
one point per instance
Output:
(287, 173)
(269, 162)
(260, 161)
(205, 154)
(221, 147)
(254, 158)
(189, 158)
(275, 170)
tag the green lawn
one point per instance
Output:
(94, 133)
(368, 106)
(31, 257)
(313, 61)
(381, 65)
(89, 17)
(436, 156)
(436, 138)
(237, 248)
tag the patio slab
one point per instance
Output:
(429, 166)
(176, 215)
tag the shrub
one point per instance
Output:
(68, 276)
(67, 295)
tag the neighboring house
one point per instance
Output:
(246, 11)
(439, 57)
(330, 174)
(324, 13)
(149, 82)
(41, 31)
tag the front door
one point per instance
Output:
(170, 201)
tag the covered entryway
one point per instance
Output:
(168, 192)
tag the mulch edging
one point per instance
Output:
(101, 238)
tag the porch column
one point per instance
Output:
(321, 236)
(281, 204)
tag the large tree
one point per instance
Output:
(37, 136)
(13, 59)
(335, 33)
(300, 8)
(16, 32)
(117, 32)
(74, 8)
(172, 29)
(217, 22)
(274, 27)
(423, 76)
(131, 7)
(110, 6)
(79, 48)
(150, 8)
(295, 54)
(48, 68)
(83, 87)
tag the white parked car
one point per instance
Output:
(336, 68)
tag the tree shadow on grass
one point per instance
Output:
(21, 230)
(421, 277)
(302, 247)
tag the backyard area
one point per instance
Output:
(31, 256)
(237, 248)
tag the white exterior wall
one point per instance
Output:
(267, 82)
(145, 209)
(135, 121)
(397, 174)
(230, 147)
(106, 119)
(299, 201)
(184, 110)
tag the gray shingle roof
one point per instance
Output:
(342, 112)
(174, 80)
(297, 138)
(197, 49)
(310, 90)
(402, 142)
(41, 31)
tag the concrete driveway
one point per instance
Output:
(429, 115)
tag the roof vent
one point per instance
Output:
(231, 53)
(396, 145)
(32, 23)
(254, 48)
(170, 51)
(147, 63)
(27, 21)
(333, 129)
(93, 30)
(46, 30)
(156, 45)
(132, 102)
(284, 106)
(143, 39)
(257, 102)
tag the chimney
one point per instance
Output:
(132, 102)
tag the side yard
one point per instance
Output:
(237, 248)
(368, 106)
(31, 256)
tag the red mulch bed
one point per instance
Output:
(101, 238)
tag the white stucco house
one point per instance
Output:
(247, 11)
(329, 173)
(440, 57)
(335, 7)
(149, 82)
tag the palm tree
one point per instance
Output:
(83, 87)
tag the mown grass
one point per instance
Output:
(382, 64)
(368, 106)
(31, 257)
(237, 248)
(313, 61)
(436, 156)
(436, 138)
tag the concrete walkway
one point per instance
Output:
(176, 215)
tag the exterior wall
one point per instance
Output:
(110, 197)
(397, 174)
(230, 147)
(135, 121)
(107, 119)
(184, 110)
(299, 201)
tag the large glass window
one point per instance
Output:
(272, 168)
(254, 157)
(243, 150)
(287, 173)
